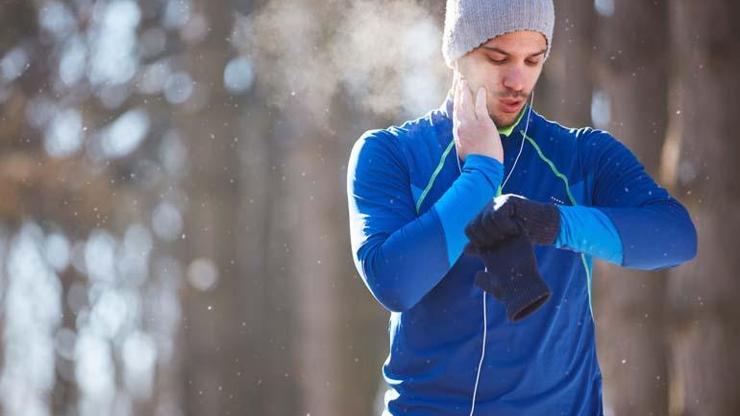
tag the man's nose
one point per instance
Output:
(514, 80)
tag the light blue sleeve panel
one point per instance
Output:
(476, 186)
(588, 230)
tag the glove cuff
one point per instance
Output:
(524, 294)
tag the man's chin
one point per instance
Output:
(503, 121)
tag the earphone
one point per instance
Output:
(485, 309)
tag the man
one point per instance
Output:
(476, 225)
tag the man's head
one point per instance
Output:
(500, 45)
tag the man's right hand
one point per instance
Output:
(472, 127)
(509, 215)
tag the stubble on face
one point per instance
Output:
(502, 119)
(507, 119)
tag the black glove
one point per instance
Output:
(512, 277)
(509, 215)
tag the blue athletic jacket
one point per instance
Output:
(409, 202)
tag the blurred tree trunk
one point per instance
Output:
(340, 327)
(700, 161)
(266, 257)
(564, 90)
(314, 201)
(217, 349)
(633, 54)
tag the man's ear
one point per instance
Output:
(455, 76)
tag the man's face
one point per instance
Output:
(508, 66)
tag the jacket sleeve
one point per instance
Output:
(654, 229)
(588, 230)
(400, 255)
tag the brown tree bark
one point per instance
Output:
(633, 61)
(267, 255)
(564, 90)
(217, 352)
(700, 158)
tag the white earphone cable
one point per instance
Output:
(485, 309)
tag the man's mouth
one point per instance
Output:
(509, 105)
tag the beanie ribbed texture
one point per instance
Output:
(470, 23)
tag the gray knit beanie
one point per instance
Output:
(470, 23)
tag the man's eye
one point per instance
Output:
(532, 62)
(497, 61)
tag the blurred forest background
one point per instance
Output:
(173, 217)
